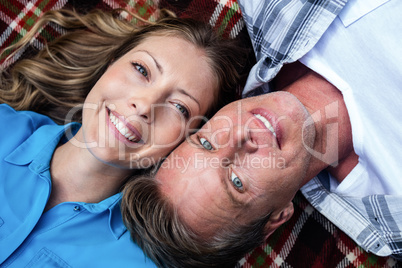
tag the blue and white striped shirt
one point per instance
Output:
(283, 31)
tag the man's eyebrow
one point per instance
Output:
(156, 62)
(235, 201)
(190, 140)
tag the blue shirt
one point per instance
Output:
(71, 234)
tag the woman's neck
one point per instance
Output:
(77, 176)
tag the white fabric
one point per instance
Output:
(367, 69)
(282, 32)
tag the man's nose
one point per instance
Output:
(242, 139)
(236, 140)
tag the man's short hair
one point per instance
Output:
(156, 227)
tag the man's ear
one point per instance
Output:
(278, 218)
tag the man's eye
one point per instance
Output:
(182, 109)
(141, 69)
(236, 181)
(206, 144)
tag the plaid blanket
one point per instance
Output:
(308, 239)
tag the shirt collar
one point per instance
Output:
(38, 150)
(112, 204)
(40, 146)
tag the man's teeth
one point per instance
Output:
(266, 123)
(121, 127)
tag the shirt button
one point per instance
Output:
(76, 208)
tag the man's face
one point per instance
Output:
(246, 162)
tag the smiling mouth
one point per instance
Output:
(123, 130)
(266, 123)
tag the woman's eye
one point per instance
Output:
(206, 144)
(141, 69)
(236, 181)
(182, 109)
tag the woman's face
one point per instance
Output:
(146, 102)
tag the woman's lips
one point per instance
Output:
(124, 128)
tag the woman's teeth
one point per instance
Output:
(121, 127)
(266, 123)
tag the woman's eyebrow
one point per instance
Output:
(156, 62)
(160, 68)
(182, 91)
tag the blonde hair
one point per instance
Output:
(59, 77)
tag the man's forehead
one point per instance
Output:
(207, 211)
(186, 161)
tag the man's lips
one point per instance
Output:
(266, 123)
(123, 127)
(267, 120)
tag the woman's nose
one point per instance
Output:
(145, 106)
(143, 109)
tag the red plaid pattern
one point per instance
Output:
(309, 240)
(16, 18)
(225, 16)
